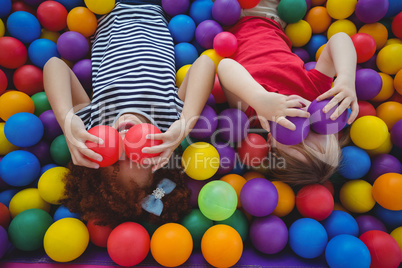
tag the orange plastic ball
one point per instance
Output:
(221, 246)
(237, 182)
(286, 199)
(378, 31)
(387, 191)
(13, 102)
(390, 112)
(387, 89)
(82, 20)
(171, 245)
(398, 81)
(319, 19)
(252, 174)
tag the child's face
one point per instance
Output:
(125, 121)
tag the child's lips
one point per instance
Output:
(125, 126)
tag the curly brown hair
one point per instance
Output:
(96, 195)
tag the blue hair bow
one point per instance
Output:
(153, 203)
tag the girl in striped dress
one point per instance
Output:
(133, 76)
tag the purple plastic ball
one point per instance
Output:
(206, 124)
(310, 65)
(211, 101)
(227, 157)
(321, 122)
(4, 242)
(308, 2)
(233, 125)
(291, 137)
(50, 124)
(72, 46)
(226, 12)
(195, 187)
(83, 70)
(42, 151)
(370, 11)
(370, 64)
(206, 32)
(368, 84)
(175, 7)
(396, 134)
(302, 54)
(384, 163)
(368, 223)
(269, 234)
(259, 197)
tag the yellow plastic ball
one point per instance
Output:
(397, 235)
(27, 199)
(341, 26)
(390, 112)
(319, 51)
(392, 41)
(341, 9)
(368, 132)
(51, 185)
(299, 33)
(378, 31)
(2, 29)
(286, 199)
(384, 148)
(100, 7)
(200, 160)
(12, 102)
(5, 145)
(215, 57)
(66, 240)
(398, 81)
(181, 73)
(356, 196)
(389, 59)
(52, 36)
(387, 89)
(82, 20)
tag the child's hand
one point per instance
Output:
(171, 139)
(76, 136)
(344, 94)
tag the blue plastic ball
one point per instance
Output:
(340, 222)
(185, 53)
(41, 50)
(19, 168)
(5, 8)
(7, 195)
(23, 129)
(347, 251)
(307, 238)
(63, 212)
(182, 28)
(391, 218)
(70, 4)
(394, 7)
(355, 163)
(201, 10)
(316, 41)
(24, 26)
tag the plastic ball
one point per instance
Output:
(24, 26)
(356, 196)
(233, 125)
(345, 26)
(200, 161)
(384, 163)
(13, 53)
(100, 7)
(195, 187)
(83, 70)
(321, 122)
(292, 11)
(41, 103)
(355, 163)
(396, 134)
(217, 92)
(314, 201)
(390, 112)
(111, 148)
(270, 226)
(225, 44)
(302, 54)
(246, 4)
(387, 89)
(51, 185)
(237, 182)
(13, 102)
(291, 137)
(370, 11)
(217, 200)
(398, 81)
(128, 244)
(63, 212)
(7, 195)
(72, 46)
(396, 25)
(32, 126)
(197, 224)
(347, 251)
(368, 84)
(389, 59)
(28, 79)
(82, 20)
(384, 148)
(52, 36)
(239, 222)
(66, 240)
(3, 82)
(52, 16)
(310, 65)
(41, 50)
(299, 33)
(286, 199)
(384, 250)
(365, 108)
(175, 7)
(27, 199)
(201, 10)
(171, 245)
(99, 234)
(206, 32)
(206, 124)
(391, 218)
(378, 31)
(368, 132)
(50, 124)
(41, 150)
(259, 197)
(215, 57)
(396, 234)
(226, 12)
(181, 73)
(5, 9)
(227, 156)
(185, 53)
(387, 189)
(5, 216)
(341, 9)
(221, 246)
(365, 46)
(316, 45)
(182, 28)
(319, 19)
(368, 223)
(19, 168)
(253, 150)
(307, 238)
(59, 151)
(70, 4)
(4, 242)
(5, 145)
(340, 222)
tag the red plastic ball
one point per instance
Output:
(112, 146)
(248, 3)
(384, 250)
(3, 82)
(13, 53)
(128, 244)
(98, 234)
(365, 108)
(28, 79)
(225, 44)
(252, 150)
(21, 6)
(52, 16)
(396, 97)
(217, 92)
(135, 140)
(5, 216)
(328, 184)
(365, 46)
(396, 25)
(314, 201)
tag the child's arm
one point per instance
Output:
(66, 95)
(339, 58)
(195, 90)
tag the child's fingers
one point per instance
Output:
(154, 149)
(80, 160)
(264, 124)
(158, 136)
(341, 108)
(297, 112)
(294, 104)
(333, 102)
(90, 154)
(326, 95)
(286, 123)
(355, 111)
(93, 138)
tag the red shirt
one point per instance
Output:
(265, 51)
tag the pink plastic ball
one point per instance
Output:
(225, 44)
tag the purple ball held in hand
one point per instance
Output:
(291, 137)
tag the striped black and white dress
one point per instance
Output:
(133, 68)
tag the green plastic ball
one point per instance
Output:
(217, 200)
(292, 11)
(27, 229)
(41, 103)
(59, 151)
(197, 224)
(239, 222)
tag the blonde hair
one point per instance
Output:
(317, 168)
